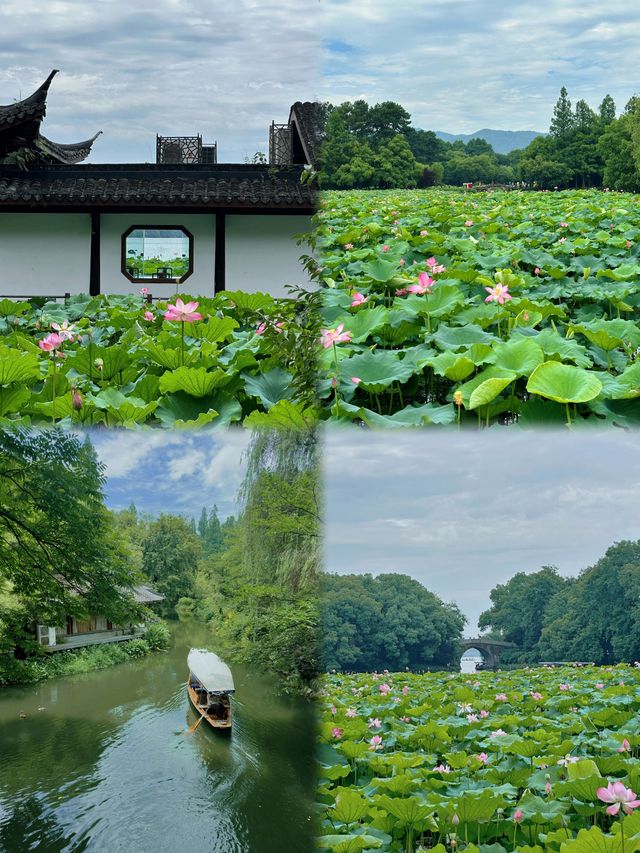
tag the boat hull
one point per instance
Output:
(218, 725)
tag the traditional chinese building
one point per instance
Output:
(73, 227)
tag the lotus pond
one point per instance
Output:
(121, 361)
(484, 762)
(480, 308)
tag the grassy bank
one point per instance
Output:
(76, 661)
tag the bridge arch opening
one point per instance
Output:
(472, 660)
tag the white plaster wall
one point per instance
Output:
(44, 254)
(201, 225)
(261, 253)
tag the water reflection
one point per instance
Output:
(109, 764)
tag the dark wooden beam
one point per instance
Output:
(220, 260)
(94, 257)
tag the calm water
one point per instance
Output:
(107, 766)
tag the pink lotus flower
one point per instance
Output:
(51, 342)
(348, 245)
(564, 224)
(385, 248)
(567, 760)
(625, 747)
(182, 312)
(536, 696)
(423, 233)
(435, 266)
(64, 330)
(260, 328)
(501, 697)
(483, 758)
(518, 815)
(351, 712)
(149, 316)
(497, 733)
(499, 293)
(336, 732)
(442, 768)
(405, 690)
(402, 262)
(356, 380)
(405, 719)
(599, 686)
(628, 244)
(144, 291)
(564, 687)
(401, 291)
(424, 285)
(472, 718)
(374, 723)
(334, 336)
(484, 714)
(468, 223)
(548, 788)
(384, 689)
(562, 240)
(536, 271)
(358, 299)
(375, 742)
(616, 794)
(333, 710)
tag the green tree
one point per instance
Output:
(617, 148)
(599, 618)
(607, 110)
(563, 118)
(58, 551)
(518, 607)
(386, 622)
(170, 556)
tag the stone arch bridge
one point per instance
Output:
(489, 649)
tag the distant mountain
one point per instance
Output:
(502, 141)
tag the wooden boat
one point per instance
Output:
(210, 687)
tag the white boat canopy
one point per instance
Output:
(214, 675)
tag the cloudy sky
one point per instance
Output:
(462, 513)
(226, 70)
(461, 65)
(174, 67)
(172, 472)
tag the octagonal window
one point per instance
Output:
(157, 253)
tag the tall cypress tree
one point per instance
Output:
(563, 118)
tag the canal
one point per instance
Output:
(105, 762)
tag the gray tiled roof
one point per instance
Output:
(308, 117)
(149, 185)
(30, 109)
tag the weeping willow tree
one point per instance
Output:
(260, 591)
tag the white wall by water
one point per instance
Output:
(44, 253)
(261, 253)
(201, 225)
(49, 253)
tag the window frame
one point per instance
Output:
(157, 226)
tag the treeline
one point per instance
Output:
(386, 622)
(253, 577)
(377, 147)
(592, 617)
(60, 553)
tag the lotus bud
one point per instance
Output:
(76, 400)
(455, 820)
(99, 363)
(457, 398)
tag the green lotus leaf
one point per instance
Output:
(455, 338)
(168, 357)
(563, 383)
(487, 391)
(115, 360)
(9, 308)
(478, 807)
(410, 416)
(350, 806)
(519, 355)
(381, 270)
(270, 387)
(365, 322)
(595, 841)
(441, 302)
(283, 415)
(350, 843)
(195, 381)
(13, 399)
(454, 367)
(250, 302)
(558, 348)
(410, 810)
(16, 366)
(181, 411)
(120, 408)
(215, 329)
(376, 370)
